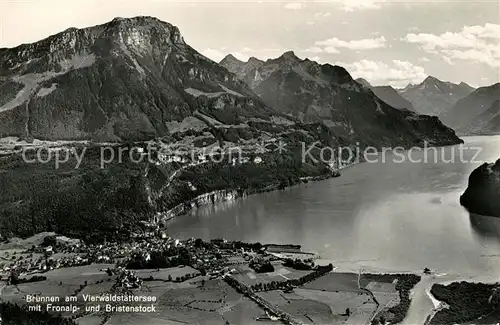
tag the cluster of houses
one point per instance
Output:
(42, 264)
(210, 256)
(201, 159)
(244, 160)
(192, 156)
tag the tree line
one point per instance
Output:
(291, 283)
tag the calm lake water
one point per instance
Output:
(392, 216)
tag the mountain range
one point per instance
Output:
(124, 80)
(130, 79)
(313, 92)
(435, 97)
(459, 106)
(136, 79)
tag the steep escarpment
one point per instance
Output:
(482, 195)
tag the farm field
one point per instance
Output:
(184, 296)
(249, 277)
(310, 312)
(245, 311)
(362, 314)
(337, 298)
(214, 302)
(163, 274)
(301, 308)
(63, 282)
(134, 319)
(90, 320)
(337, 301)
(336, 282)
(158, 288)
(23, 244)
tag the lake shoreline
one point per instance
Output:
(411, 294)
(231, 195)
(193, 204)
(369, 210)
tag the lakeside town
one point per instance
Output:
(276, 280)
(194, 281)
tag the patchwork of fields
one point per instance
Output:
(184, 296)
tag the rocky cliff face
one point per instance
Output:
(483, 192)
(200, 201)
(124, 80)
(476, 113)
(312, 92)
(435, 97)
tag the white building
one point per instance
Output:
(171, 158)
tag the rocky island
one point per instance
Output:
(483, 191)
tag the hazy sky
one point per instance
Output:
(386, 42)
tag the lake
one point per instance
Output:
(385, 215)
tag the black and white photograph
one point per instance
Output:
(249, 162)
